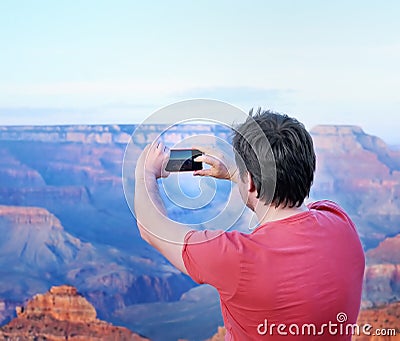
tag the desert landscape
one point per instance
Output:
(64, 221)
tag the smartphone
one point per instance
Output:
(182, 160)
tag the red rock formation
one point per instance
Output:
(382, 284)
(96, 134)
(386, 317)
(61, 303)
(62, 314)
(354, 159)
(220, 335)
(361, 173)
(382, 275)
(386, 252)
(29, 215)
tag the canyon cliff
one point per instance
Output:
(62, 314)
(64, 219)
(36, 251)
(363, 174)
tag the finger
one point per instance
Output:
(165, 150)
(164, 173)
(162, 148)
(208, 159)
(202, 172)
(198, 159)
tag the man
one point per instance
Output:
(299, 274)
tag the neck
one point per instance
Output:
(268, 213)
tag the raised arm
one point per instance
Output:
(154, 225)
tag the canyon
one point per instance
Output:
(62, 314)
(64, 220)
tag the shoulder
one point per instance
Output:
(210, 238)
(332, 211)
(327, 206)
(324, 205)
(213, 257)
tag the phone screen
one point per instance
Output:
(181, 160)
(180, 154)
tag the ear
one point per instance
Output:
(250, 183)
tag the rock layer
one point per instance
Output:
(62, 314)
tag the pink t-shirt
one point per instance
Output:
(299, 272)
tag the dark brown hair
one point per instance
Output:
(278, 153)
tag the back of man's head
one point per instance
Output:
(291, 163)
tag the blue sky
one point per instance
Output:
(118, 61)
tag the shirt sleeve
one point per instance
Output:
(213, 257)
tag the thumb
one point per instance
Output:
(199, 158)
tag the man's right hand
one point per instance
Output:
(221, 166)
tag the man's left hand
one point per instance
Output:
(152, 161)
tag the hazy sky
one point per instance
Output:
(117, 61)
